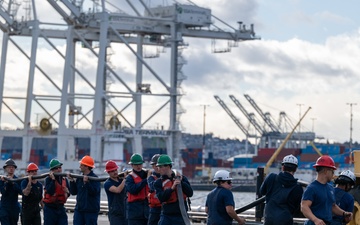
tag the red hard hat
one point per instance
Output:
(32, 167)
(325, 161)
(87, 161)
(110, 166)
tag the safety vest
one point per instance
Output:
(142, 195)
(59, 196)
(166, 184)
(153, 200)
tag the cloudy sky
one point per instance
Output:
(307, 56)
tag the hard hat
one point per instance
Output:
(136, 159)
(87, 161)
(222, 175)
(9, 162)
(164, 160)
(32, 167)
(55, 163)
(290, 159)
(154, 159)
(347, 174)
(110, 166)
(325, 161)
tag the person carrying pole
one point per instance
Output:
(87, 193)
(137, 191)
(172, 189)
(56, 193)
(154, 202)
(9, 204)
(115, 191)
(32, 192)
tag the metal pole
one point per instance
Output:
(203, 141)
(351, 120)
(299, 123)
(313, 121)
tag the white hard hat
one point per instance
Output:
(290, 159)
(348, 174)
(222, 175)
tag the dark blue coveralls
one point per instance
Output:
(116, 203)
(87, 200)
(9, 205)
(30, 213)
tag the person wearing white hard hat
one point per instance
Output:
(283, 194)
(343, 199)
(220, 205)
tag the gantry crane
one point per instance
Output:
(77, 91)
(233, 117)
(265, 116)
(249, 116)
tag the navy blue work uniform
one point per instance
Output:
(137, 211)
(30, 214)
(155, 210)
(346, 202)
(171, 213)
(9, 206)
(54, 209)
(216, 201)
(283, 198)
(87, 200)
(322, 197)
(116, 203)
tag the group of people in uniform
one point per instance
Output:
(321, 203)
(136, 196)
(161, 195)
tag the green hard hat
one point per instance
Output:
(55, 163)
(164, 160)
(136, 159)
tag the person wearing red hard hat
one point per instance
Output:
(87, 193)
(32, 191)
(318, 201)
(115, 191)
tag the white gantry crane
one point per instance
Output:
(82, 103)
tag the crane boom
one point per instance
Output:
(248, 115)
(276, 153)
(236, 120)
(264, 116)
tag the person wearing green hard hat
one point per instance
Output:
(56, 192)
(172, 189)
(137, 191)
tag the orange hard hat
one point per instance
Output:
(32, 167)
(110, 166)
(325, 161)
(87, 161)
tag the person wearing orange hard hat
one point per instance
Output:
(115, 191)
(318, 201)
(32, 191)
(87, 193)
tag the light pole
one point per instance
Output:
(203, 141)
(299, 104)
(313, 121)
(351, 128)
